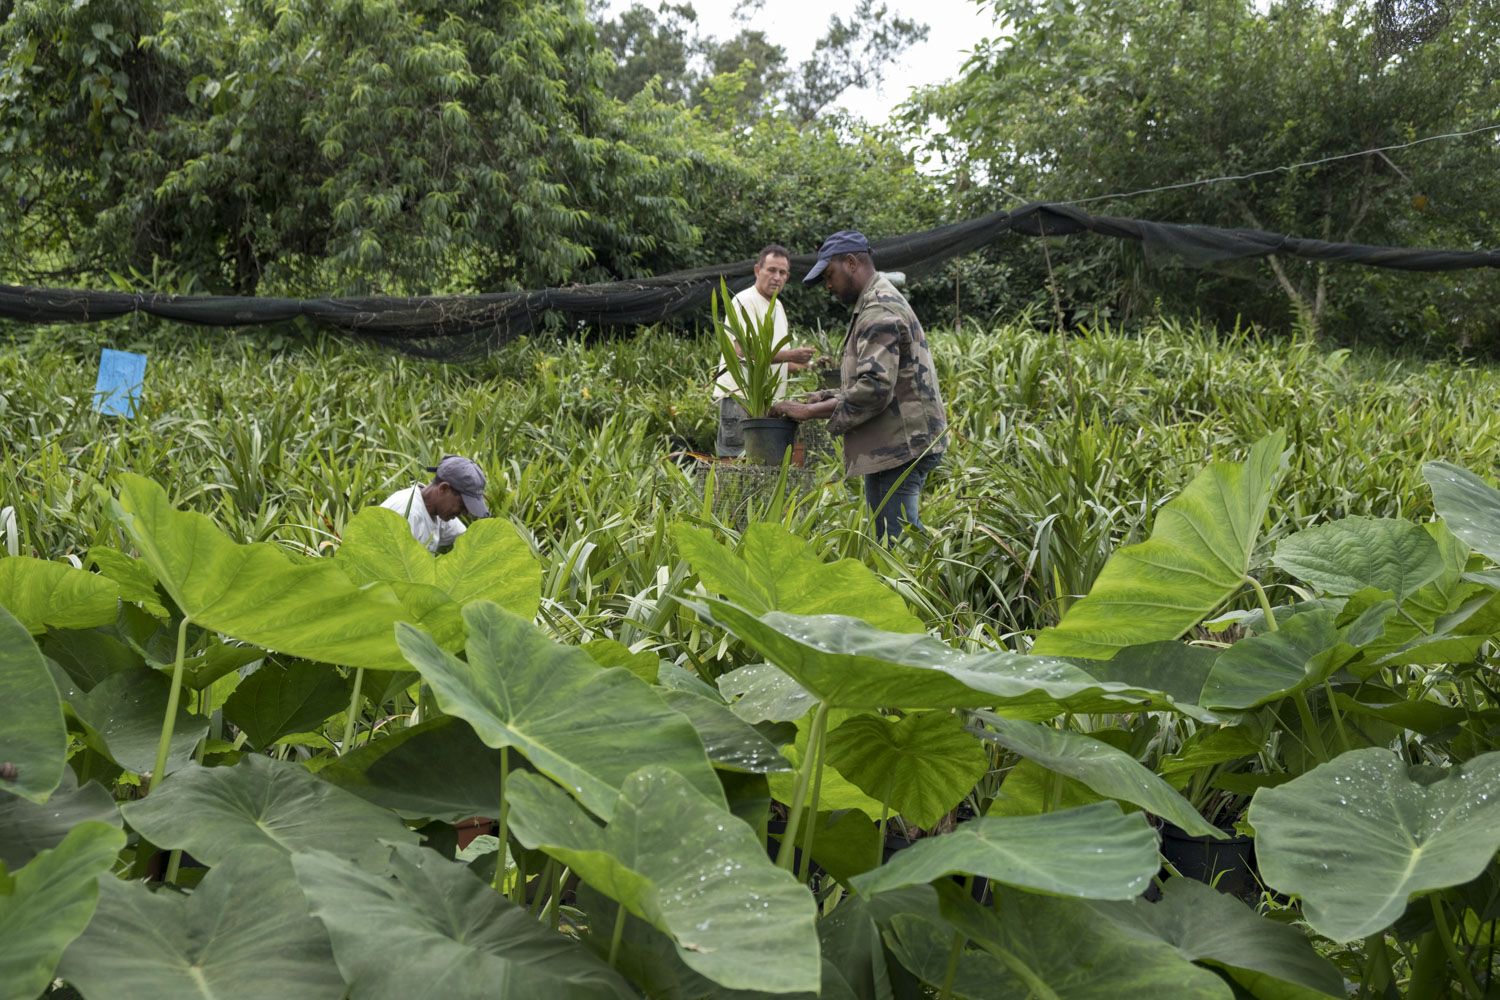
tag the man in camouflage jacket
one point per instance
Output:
(888, 407)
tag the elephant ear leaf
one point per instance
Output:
(774, 570)
(46, 595)
(1197, 557)
(33, 734)
(1396, 831)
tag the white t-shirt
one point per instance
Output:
(756, 305)
(432, 532)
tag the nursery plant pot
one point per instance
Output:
(829, 378)
(1227, 865)
(471, 829)
(768, 438)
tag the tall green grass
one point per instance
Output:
(1063, 448)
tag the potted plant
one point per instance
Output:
(749, 350)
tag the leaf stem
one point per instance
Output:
(1265, 602)
(502, 833)
(359, 683)
(812, 824)
(619, 935)
(1460, 966)
(789, 835)
(957, 950)
(170, 722)
(1310, 727)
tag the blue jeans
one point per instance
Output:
(901, 509)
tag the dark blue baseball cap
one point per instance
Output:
(843, 241)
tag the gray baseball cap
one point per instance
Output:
(463, 475)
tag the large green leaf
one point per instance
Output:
(437, 770)
(1348, 555)
(33, 733)
(1095, 851)
(1047, 947)
(245, 932)
(216, 812)
(835, 791)
(1107, 770)
(1271, 960)
(45, 595)
(1030, 789)
(285, 698)
(130, 576)
(613, 653)
(89, 655)
(1467, 504)
(259, 594)
(1360, 835)
(921, 766)
(760, 692)
(651, 961)
(731, 743)
(493, 562)
(1196, 558)
(377, 546)
(490, 561)
(1302, 652)
(688, 868)
(429, 927)
(1176, 669)
(588, 728)
(124, 715)
(774, 570)
(848, 664)
(49, 904)
(28, 828)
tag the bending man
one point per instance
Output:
(432, 511)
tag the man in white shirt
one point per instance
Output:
(433, 510)
(772, 269)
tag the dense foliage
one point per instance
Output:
(1080, 100)
(240, 749)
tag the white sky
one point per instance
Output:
(796, 25)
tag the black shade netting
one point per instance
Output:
(453, 327)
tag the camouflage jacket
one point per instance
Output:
(889, 408)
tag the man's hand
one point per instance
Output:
(795, 356)
(791, 409)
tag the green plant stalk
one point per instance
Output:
(1460, 966)
(1377, 971)
(501, 832)
(543, 882)
(359, 683)
(1338, 718)
(518, 889)
(1265, 603)
(619, 934)
(885, 809)
(956, 951)
(1310, 727)
(170, 722)
(789, 837)
(805, 869)
(553, 910)
(1427, 979)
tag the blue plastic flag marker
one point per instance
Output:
(122, 376)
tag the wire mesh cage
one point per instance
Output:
(737, 492)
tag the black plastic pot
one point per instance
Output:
(768, 438)
(1227, 865)
(830, 378)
